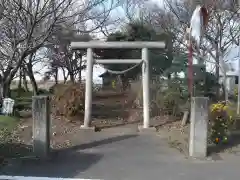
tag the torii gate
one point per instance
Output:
(144, 45)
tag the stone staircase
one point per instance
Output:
(113, 104)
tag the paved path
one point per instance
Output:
(127, 155)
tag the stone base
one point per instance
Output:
(147, 130)
(90, 129)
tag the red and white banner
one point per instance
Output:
(198, 24)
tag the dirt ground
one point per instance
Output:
(178, 138)
(176, 135)
(66, 133)
(63, 133)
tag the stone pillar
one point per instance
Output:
(41, 126)
(145, 84)
(88, 90)
(198, 127)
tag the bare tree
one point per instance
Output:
(29, 25)
(222, 28)
(62, 58)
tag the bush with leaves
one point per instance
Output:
(171, 98)
(167, 97)
(221, 121)
(234, 95)
(68, 99)
(20, 92)
(43, 91)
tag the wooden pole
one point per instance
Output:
(190, 69)
(238, 102)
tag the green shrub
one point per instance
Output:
(221, 121)
(167, 97)
(16, 93)
(43, 91)
(23, 103)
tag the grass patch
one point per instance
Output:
(8, 122)
(7, 125)
(9, 147)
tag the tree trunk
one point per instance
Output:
(9, 74)
(71, 77)
(80, 72)
(223, 90)
(6, 89)
(66, 78)
(224, 70)
(56, 76)
(19, 83)
(71, 74)
(34, 84)
(79, 76)
(25, 83)
(1, 93)
(64, 74)
(217, 69)
(225, 86)
(32, 79)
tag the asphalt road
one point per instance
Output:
(128, 156)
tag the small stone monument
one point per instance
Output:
(41, 126)
(7, 107)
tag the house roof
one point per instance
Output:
(103, 74)
(106, 74)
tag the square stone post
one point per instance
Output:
(198, 127)
(41, 126)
